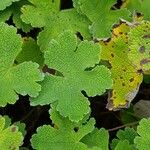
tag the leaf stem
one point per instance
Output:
(123, 126)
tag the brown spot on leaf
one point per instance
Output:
(131, 80)
(121, 77)
(146, 36)
(142, 49)
(144, 61)
(13, 129)
(112, 55)
(124, 70)
(123, 84)
(140, 71)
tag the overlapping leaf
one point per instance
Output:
(64, 20)
(39, 13)
(123, 145)
(66, 135)
(30, 52)
(47, 14)
(101, 15)
(143, 140)
(22, 78)
(99, 138)
(10, 137)
(6, 3)
(140, 6)
(14, 11)
(125, 136)
(125, 75)
(71, 59)
(139, 45)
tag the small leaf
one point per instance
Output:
(30, 52)
(6, 3)
(123, 145)
(127, 134)
(14, 11)
(10, 137)
(22, 78)
(39, 13)
(140, 6)
(143, 140)
(101, 15)
(99, 138)
(67, 135)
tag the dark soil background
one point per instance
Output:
(34, 117)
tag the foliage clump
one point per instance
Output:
(64, 59)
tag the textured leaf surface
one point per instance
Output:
(99, 138)
(15, 12)
(30, 52)
(101, 15)
(66, 135)
(47, 14)
(65, 20)
(39, 13)
(140, 6)
(125, 75)
(19, 79)
(10, 137)
(71, 59)
(139, 44)
(123, 145)
(143, 140)
(124, 136)
(127, 134)
(6, 3)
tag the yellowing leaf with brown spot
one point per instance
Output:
(126, 77)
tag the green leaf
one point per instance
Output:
(99, 138)
(140, 6)
(7, 121)
(139, 44)
(40, 13)
(47, 14)
(124, 136)
(65, 135)
(72, 59)
(14, 11)
(30, 52)
(21, 127)
(64, 20)
(15, 79)
(123, 145)
(143, 140)
(125, 75)
(10, 137)
(6, 3)
(127, 134)
(101, 15)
